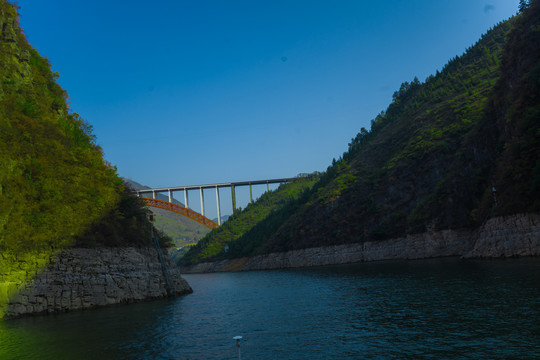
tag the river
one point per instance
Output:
(428, 309)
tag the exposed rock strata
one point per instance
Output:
(516, 235)
(85, 278)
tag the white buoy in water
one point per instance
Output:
(238, 338)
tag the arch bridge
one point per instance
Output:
(200, 217)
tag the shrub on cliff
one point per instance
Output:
(55, 186)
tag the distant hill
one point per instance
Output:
(182, 230)
(223, 218)
(136, 186)
(449, 152)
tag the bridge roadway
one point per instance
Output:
(232, 185)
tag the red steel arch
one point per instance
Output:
(180, 210)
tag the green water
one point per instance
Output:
(433, 309)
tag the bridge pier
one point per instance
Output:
(233, 195)
(202, 201)
(218, 209)
(170, 190)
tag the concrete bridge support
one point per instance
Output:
(218, 208)
(233, 196)
(201, 188)
(202, 201)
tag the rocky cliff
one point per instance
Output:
(83, 278)
(508, 236)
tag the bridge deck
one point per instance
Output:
(219, 185)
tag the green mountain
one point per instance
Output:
(229, 240)
(432, 159)
(55, 188)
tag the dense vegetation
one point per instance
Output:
(431, 160)
(515, 105)
(55, 187)
(235, 232)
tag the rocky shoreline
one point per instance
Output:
(84, 278)
(507, 236)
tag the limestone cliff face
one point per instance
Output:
(508, 236)
(515, 235)
(83, 278)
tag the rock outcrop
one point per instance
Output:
(516, 235)
(83, 278)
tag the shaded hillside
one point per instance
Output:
(515, 106)
(56, 190)
(229, 235)
(430, 161)
(55, 187)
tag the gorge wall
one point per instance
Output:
(508, 236)
(83, 278)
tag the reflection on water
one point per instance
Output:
(435, 309)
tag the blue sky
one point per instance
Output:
(198, 92)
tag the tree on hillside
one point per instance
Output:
(523, 4)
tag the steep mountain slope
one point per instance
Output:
(432, 159)
(56, 190)
(55, 187)
(229, 239)
(516, 108)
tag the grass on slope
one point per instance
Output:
(423, 165)
(182, 230)
(212, 246)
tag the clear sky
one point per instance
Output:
(198, 92)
